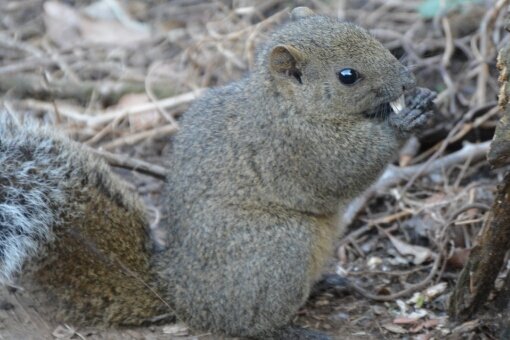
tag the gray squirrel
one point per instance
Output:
(259, 173)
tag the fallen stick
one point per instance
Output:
(95, 121)
(131, 139)
(126, 162)
(394, 175)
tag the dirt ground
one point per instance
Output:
(116, 75)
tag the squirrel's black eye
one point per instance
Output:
(348, 76)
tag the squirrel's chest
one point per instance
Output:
(325, 232)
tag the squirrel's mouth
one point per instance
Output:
(399, 104)
(384, 109)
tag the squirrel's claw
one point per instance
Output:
(417, 112)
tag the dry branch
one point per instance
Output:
(167, 103)
(31, 85)
(126, 162)
(405, 292)
(134, 138)
(394, 175)
(107, 117)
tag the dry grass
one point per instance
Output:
(124, 99)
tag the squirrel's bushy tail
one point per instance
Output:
(29, 199)
(74, 229)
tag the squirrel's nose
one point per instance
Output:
(408, 80)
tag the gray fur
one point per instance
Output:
(27, 202)
(261, 168)
(257, 177)
(39, 169)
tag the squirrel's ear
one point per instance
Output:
(301, 12)
(287, 60)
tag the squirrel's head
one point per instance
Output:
(331, 66)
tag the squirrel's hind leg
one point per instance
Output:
(248, 285)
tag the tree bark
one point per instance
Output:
(477, 279)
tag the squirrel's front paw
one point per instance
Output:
(417, 111)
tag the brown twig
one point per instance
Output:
(126, 162)
(393, 175)
(406, 291)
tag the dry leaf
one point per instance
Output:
(404, 320)
(110, 33)
(379, 310)
(418, 314)
(67, 27)
(395, 328)
(176, 330)
(425, 336)
(63, 332)
(139, 121)
(420, 254)
(62, 24)
(402, 306)
(373, 262)
(432, 292)
(432, 323)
